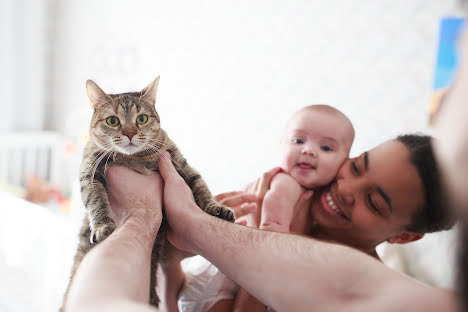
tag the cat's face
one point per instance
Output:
(127, 123)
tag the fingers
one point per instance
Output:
(244, 209)
(241, 222)
(265, 181)
(306, 196)
(166, 168)
(303, 201)
(222, 196)
(254, 186)
(238, 199)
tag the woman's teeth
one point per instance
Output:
(332, 204)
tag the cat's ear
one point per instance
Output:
(149, 93)
(97, 97)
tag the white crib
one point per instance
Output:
(24, 154)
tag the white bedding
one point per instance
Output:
(36, 252)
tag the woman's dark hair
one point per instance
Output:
(434, 216)
(462, 276)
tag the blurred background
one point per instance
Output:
(231, 74)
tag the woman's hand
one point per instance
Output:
(259, 187)
(241, 203)
(245, 203)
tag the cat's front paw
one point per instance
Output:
(101, 232)
(223, 213)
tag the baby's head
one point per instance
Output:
(316, 142)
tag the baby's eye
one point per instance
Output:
(297, 141)
(326, 148)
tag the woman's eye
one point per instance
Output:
(371, 204)
(297, 141)
(354, 168)
(142, 119)
(113, 121)
(326, 148)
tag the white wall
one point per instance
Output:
(22, 64)
(232, 71)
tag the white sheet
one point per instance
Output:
(36, 252)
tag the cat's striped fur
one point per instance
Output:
(132, 144)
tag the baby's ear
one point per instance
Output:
(96, 96)
(149, 93)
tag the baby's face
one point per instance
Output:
(314, 147)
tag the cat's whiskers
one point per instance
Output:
(99, 154)
(161, 143)
(98, 161)
(157, 149)
(110, 154)
(97, 165)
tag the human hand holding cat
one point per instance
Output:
(180, 207)
(135, 196)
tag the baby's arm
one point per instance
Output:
(279, 202)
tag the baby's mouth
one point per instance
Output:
(304, 165)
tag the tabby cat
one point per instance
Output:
(125, 131)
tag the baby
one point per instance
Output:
(317, 140)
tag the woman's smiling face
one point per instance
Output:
(373, 199)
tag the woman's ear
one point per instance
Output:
(405, 237)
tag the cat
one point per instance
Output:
(125, 131)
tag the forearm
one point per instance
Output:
(116, 272)
(258, 260)
(277, 212)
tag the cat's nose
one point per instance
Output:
(129, 131)
(129, 134)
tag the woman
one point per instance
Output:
(387, 194)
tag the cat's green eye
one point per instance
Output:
(142, 119)
(113, 121)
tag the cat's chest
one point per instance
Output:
(139, 165)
